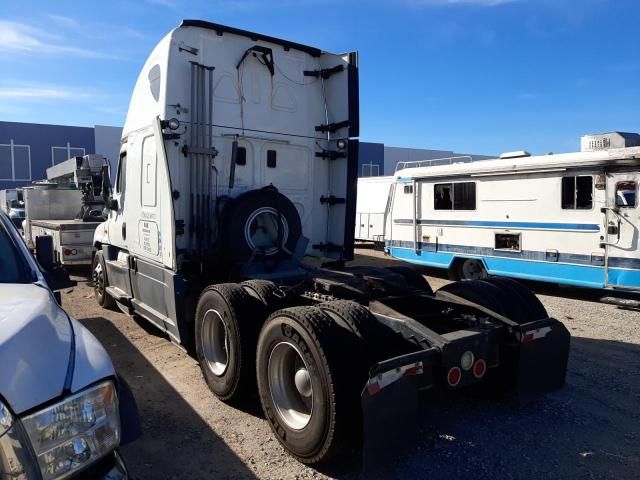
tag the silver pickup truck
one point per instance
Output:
(64, 411)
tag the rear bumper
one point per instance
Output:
(529, 360)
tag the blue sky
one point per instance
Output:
(476, 76)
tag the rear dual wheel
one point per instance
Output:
(310, 371)
(227, 323)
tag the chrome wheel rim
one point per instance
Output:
(98, 279)
(472, 270)
(215, 342)
(261, 231)
(290, 385)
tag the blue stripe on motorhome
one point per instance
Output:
(529, 255)
(624, 278)
(578, 275)
(588, 227)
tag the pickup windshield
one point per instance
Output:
(13, 266)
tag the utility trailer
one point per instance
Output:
(237, 171)
(68, 206)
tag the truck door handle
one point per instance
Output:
(124, 230)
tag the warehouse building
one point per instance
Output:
(28, 149)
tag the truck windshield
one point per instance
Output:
(13, 266)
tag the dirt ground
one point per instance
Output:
(589, 429)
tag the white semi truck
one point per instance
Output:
(238, 163)
(68, 206)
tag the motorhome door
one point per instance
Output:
(622, 230)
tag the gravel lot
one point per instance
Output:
(590, 429)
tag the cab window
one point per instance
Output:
(122, 174)
(626, 194)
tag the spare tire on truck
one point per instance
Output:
(262, 222)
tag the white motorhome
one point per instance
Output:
(571, 218)
(371, 207)
(238, 159)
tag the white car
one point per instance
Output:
(64, 412)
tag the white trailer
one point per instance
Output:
(571, 218)
(238, 160)
(371, 207)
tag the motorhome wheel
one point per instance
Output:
(471, 269)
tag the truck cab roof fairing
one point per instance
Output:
(221, 29)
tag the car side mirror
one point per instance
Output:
(112, 204)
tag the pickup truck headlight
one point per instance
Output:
(75, 432)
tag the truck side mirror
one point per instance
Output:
(112, 204)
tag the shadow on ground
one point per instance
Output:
(176, 441)
(589, 429)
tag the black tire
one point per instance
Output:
(531, 305)
(241, 221)
(413, 278)
(100, 281)
(484, 294)
(267, 293)
(333, 424)
(378, 341)
(467, 265)
(228, 368)
(502, 295)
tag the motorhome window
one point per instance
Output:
(454, 196)
(241, 156)
(626, 194)
(121, 180)
(408, 189)
(464, 196)
(577, 192)
(508, 241)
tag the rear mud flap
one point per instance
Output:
(390, 426)
(539, 358)
(390, 412)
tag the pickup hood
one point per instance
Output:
(40, 345)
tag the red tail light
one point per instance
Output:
(454, 376)
(479, 368)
